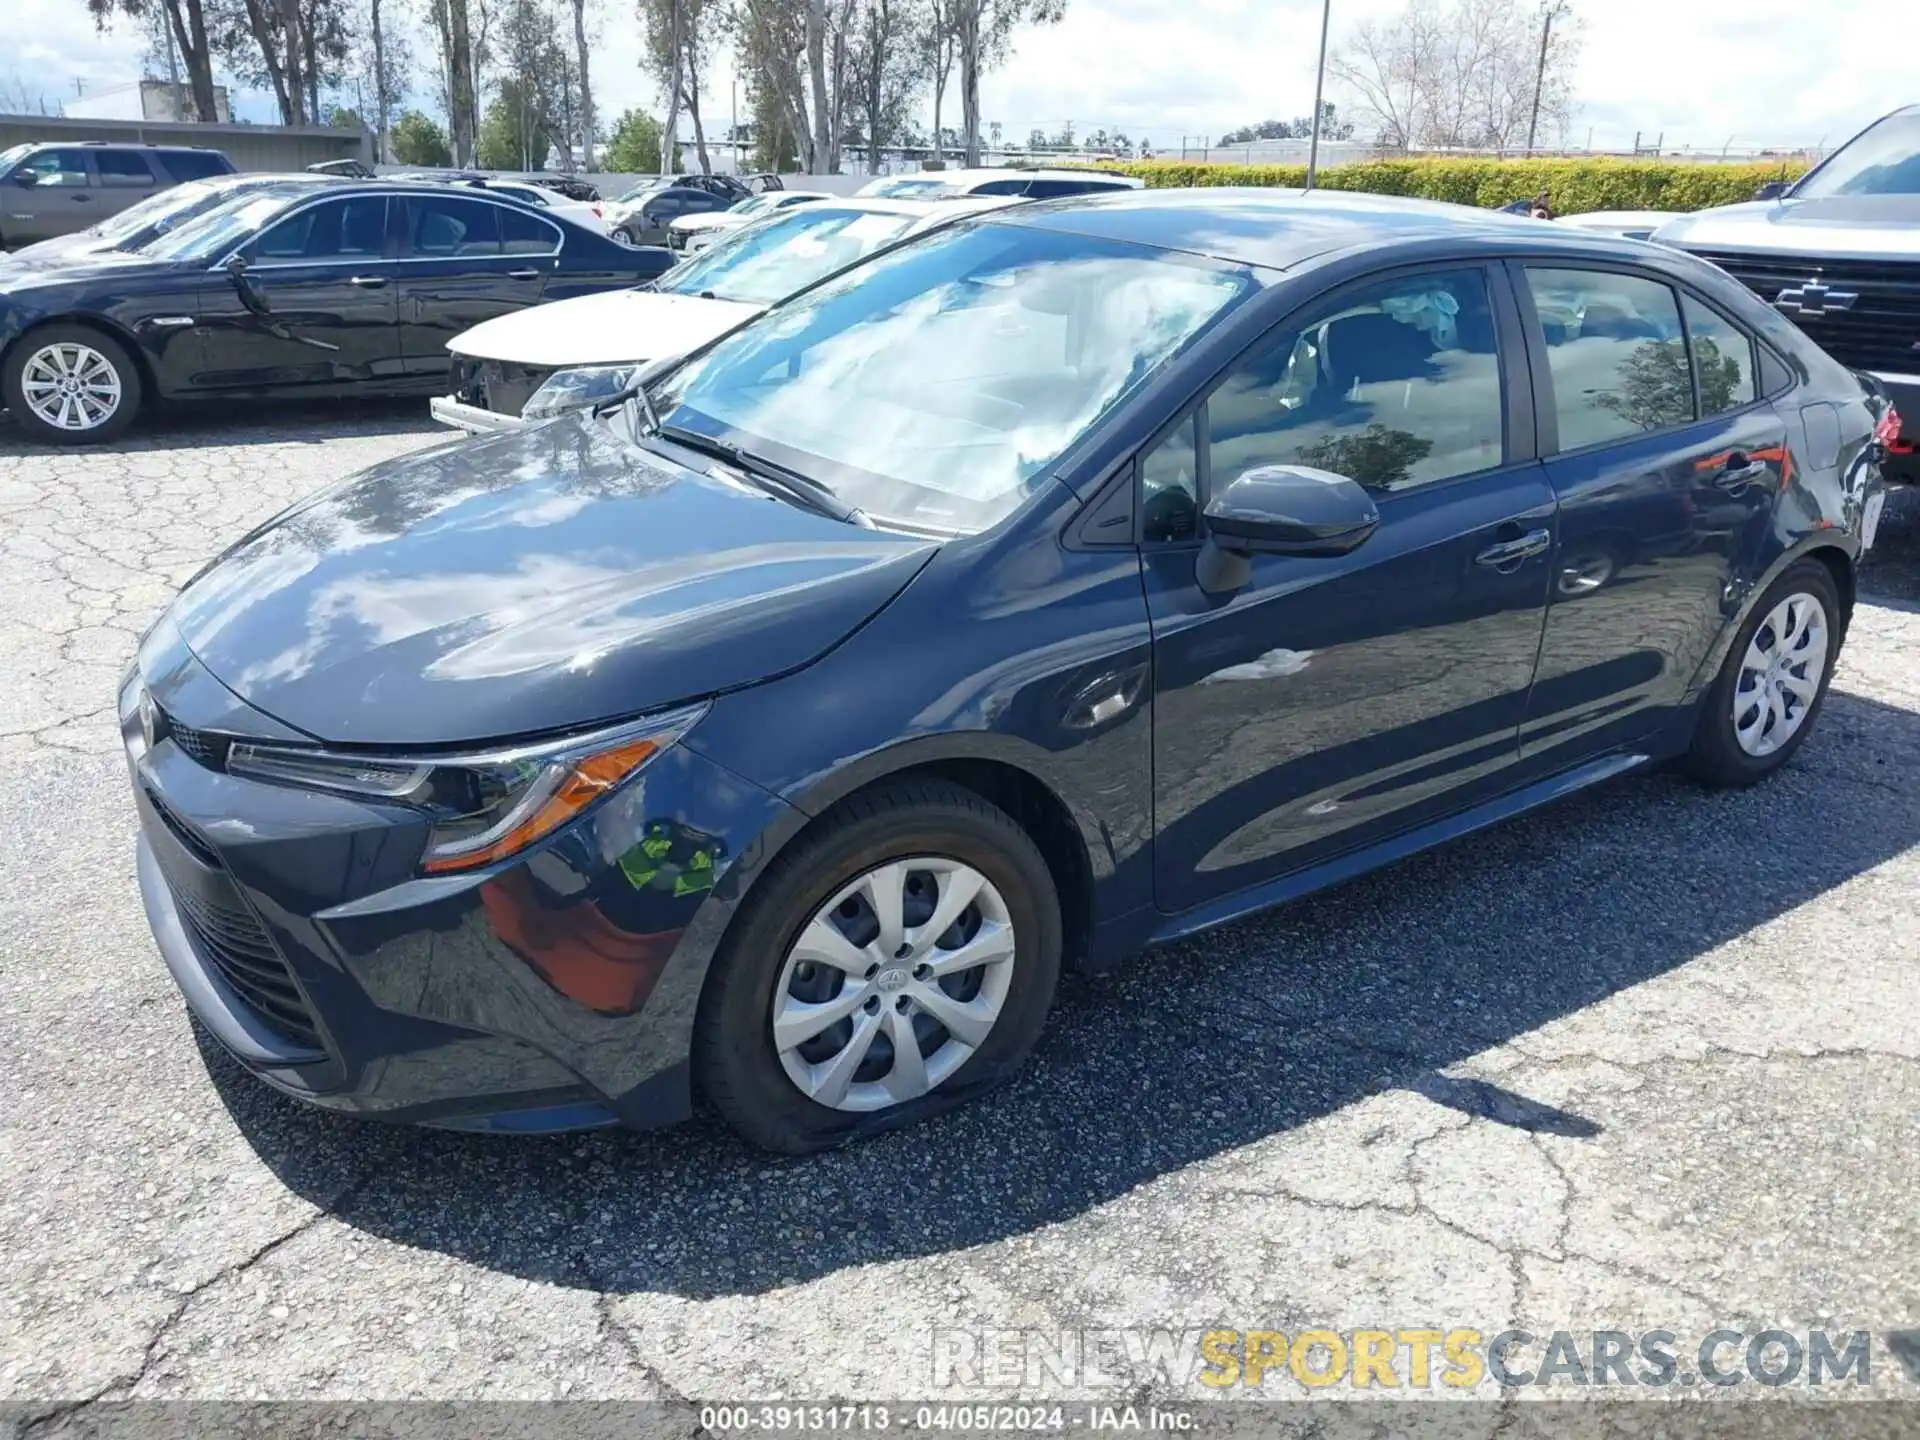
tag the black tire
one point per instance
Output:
(109, 349)
(734, 1056)
(1716, 757)
(620, 235)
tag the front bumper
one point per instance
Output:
(474, 419)
(555, 991)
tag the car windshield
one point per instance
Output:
(211, 235)
(645, 187)
(933, 386)
(770, 259)
(189, 198)
(753, 205)
(1884, 159)
(909, 188)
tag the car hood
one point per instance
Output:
(711, 220)
(26, 271)
(1865, 226)
(535, 581)
(62, 247)
(608, 329)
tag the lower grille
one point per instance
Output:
(1879, 329)
(203, 746)
(230, 937)
(496, 385)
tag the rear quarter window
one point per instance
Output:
(194, 164)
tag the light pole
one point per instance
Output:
(1548, 11)
(1319, 85)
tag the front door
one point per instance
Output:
(1668, 469)
(47, 194)
(467, 260)
(1332, 702)
(314, 309)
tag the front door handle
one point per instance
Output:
(1509, 555)
(1739, 472)
(523, 274)
(368, 282)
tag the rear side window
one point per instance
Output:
(525, 234)
(1004, 187)
(122, 168)
(1396, 385)
(1041, 189)
(195, 164)
(454, 226)
(1722, 358)
(1616, 352)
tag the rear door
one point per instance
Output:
(314, 310)
(466, 260)
(49, 193)
(1332, 702)
(1667, 465)
(124, 177)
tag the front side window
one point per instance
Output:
(333, 230)
(452, 226)
(60, 169)
(1397, 385)
(770, 259)
(933, 386)
(1722, 358)
(1616, 353)
(1170, 487)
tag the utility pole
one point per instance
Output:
(1548, 11)
(1319, 86)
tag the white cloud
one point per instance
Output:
(1702, 73)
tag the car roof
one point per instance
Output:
(1273, 228)
(961, 179)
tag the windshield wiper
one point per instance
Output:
(803, 490)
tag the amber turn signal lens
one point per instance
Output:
(585, 781)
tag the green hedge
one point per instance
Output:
(1576, 186)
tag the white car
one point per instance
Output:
(548, 359)
(690, 234)
(1019, 184)
(580, 212)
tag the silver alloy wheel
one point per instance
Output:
(70, 386)
(1780, 674)
(893, 983)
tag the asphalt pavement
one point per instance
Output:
(1649, 1060)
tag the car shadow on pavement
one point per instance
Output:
(1181, 1055)
(244, 422)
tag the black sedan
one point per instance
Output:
(1063, 581)
(351, 291)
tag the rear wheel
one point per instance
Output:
(901, 957)
(1774, 679)
(71, 385)
(623, 236)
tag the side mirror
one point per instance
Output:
(1281, 510)
(1772, 190)
(25, 178)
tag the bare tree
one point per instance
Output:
(800, 55)
(192, 34)
(886, 72)
(984, 31)
(1445, 74)
(17, 97)
(585, 123)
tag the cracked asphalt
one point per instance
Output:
(1647, 1060)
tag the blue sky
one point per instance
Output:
(1703, 72)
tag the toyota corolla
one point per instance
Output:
(1059, 583)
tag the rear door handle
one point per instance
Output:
(368, 282)
(1739, 472)
(523, 274)
(1510, 555)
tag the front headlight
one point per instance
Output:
(485, 806)
(576, 389)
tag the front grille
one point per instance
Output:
(230, 936)
(1880, 331)
(496, 385)
(677, 239)
(204, 746)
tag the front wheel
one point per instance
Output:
(623, 236)
(899, 958)
(1770, 688)
(70, 385)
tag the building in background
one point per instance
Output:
(146, 100)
